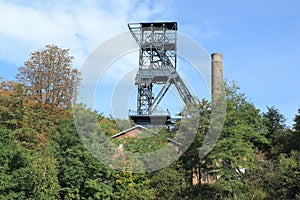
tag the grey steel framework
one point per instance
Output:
(157, 65)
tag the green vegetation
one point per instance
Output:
(42, 157)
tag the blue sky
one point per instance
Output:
(259, 40)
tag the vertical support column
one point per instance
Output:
(217, 76)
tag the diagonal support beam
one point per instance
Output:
(160, 95)
(183, 91)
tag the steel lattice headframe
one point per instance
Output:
(157, 65)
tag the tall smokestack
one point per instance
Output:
(217, 75)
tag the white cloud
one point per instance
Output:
(78, 25)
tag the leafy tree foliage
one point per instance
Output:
(132, 186)
(282, 139)
(234, 152)
(79, 173)
(297, 121)
(11, 105)
(169, 182)
(49, 77)
(43, 179)
(282, 178)
(43, 157)
(274, 121)
(295, 139)
(15, 168)
(191, 161)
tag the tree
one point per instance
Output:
(281, 179)
(95, 189)
(11, 104)
(295, 144)
(14, 168)
(274, 121)
(169, 182)
(129, 185)
(44, 180)
(49, 78)
(281, 138)
(191, 161)
(234, 153)
(297, 122)
(80, 175)
(30, 121)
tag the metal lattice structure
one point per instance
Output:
(157, 65)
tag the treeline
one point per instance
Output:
(42, 157)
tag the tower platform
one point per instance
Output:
(157, 118)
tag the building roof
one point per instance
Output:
(132, 132)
